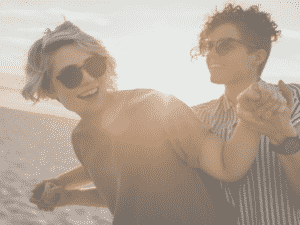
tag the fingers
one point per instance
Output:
(45, 195)
(286, 93)
(248, 97)
(272, 111)
(272, 101)
(253, 92)
(251, 117)
(38, 186)
(49, 193)
(265, 108)
(46, 208)
(269, 109)
(268, 92)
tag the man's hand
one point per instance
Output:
(261, 98)
(268, 110)
(48, 196)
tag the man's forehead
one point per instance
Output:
(224, 31)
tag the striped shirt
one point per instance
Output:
(263, 196)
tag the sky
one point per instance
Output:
(150, 40)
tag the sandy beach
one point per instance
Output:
(35, 147)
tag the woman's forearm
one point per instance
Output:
(86, 197)
(75, 178)
(240, 151)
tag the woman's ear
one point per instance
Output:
(48, 85)
(51, 91)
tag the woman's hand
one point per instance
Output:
(48, 195)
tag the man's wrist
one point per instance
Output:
(282, 135)
(290, 132)
(290, 146)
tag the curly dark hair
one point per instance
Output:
(256, 28)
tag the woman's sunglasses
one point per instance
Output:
(71, 76)
(223, 46)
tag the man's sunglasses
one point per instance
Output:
(223, 46)
(71, 76)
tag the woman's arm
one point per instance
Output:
(201, 148)
(75, 178)
(78, 177)
(240, 151)
(86, 197)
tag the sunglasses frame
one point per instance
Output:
(217, 43)
(79, 68)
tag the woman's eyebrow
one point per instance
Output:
(59, 72)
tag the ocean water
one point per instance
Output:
(35, 147)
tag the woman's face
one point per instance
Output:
(237, 65)
(81, 98)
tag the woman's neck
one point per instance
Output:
(106, 100)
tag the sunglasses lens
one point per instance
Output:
(96, 66)
(71, 77)
(224, 47)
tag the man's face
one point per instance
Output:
(234, 65)
(80, 98)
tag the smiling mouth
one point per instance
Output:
(89, 94)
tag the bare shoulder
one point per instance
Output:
(77, 132)
(152, 102)
(141, 115)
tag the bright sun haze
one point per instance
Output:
(151, 46)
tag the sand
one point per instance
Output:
(35, 147)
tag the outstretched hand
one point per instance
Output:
(259, 102)
(48, 196)
(268, 110)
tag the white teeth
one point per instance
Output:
(90, 92)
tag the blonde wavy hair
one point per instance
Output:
(38, 69)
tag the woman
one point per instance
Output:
(139, 147)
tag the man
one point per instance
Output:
(237, 44)
(139, 147)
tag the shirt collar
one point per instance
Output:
(227, 103)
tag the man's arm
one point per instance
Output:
(291, 163)
(280, 128)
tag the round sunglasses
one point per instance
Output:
(223, 46)
(71, 76)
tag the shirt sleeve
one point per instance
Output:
(295, 89)
(295, 117)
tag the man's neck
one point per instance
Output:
(232, 91)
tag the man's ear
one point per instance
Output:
(260, 56)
